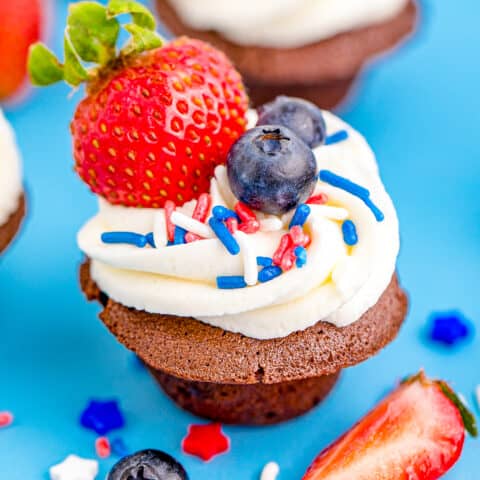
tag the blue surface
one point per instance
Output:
(420, 111)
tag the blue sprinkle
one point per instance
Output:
(130, 238)
(449, 328)
(300, 216)
(224, 235)
(264, 261)
(336, 137)
(150, 239)
(269, 273)
(179, 235)
(231, 282)
(349, 231)
(301, 255)
(102, 417)
(170, 243)
(222, 213)
(353, 188)
(118, 447)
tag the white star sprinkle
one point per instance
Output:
(74, 468)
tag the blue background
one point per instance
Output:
(420, 111)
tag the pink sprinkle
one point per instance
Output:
(6, 419)
(191, 237)
(250, 226)
(202, 207)
(319, 199)
(288, 259)
(285, 243)
(232, 225)
(246, 215)
(102, 447)
(169, 209)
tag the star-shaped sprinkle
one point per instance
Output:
(205, 441)
(74, 468)
(102, 417)
(449, 328)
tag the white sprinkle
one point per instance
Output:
(250, 269)
(270, 224)
(160, 229)
(270, 471)
(477, 396)
(191, 225)
(74, 468)
(216, 194)
(333, 213)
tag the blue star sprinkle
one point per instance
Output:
(102, 417)
(449, 328)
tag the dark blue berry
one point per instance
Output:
(148, 465)
(302, 117)
(271, 169)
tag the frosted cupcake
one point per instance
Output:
(310, 49)
(12, 202)
(246, 257)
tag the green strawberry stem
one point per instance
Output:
(91, 37)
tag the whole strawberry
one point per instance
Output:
(156, 120)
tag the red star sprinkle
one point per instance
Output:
(205, 441)
(6, 419)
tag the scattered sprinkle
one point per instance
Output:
(191, 237)
(301, 254)
(252, 226)
(269, 273)
(270, 224)
(319, 199)
(336, 137)
(332, 213)
(169, 208)
(285, 243)
(160, 229)
(358, 191)
(298, 236)
(74, 468)
(102, 417)
(179, 236)
(449, 328)
(202, 207)
(288, 259)
(222, 213)
(349, 231)
(102, 447)
(232, 225)
(221, 231)
(300, 216)
(118, 447)
(270, 471)
(231, 282)
(6, 419)
(264, 261)
(205, 441)
(250, 270)
(150, 239)
(130, 238)
(244, 213)
(189, 224)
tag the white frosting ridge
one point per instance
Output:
(284, 23)
(337, 284)
(10, 171)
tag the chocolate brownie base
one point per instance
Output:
(192, 350)
(11, 227)
(254, 404)
(300, 71)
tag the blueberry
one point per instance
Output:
(271, 169)
(300, 116)
(148, 465)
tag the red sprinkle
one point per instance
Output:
(285, 243)
(205, 441)
(319, 199)
(102, 447)
(288, 259)
(245, 214)
(202, 207)
(6, 419)
(169, 209)
(297, 235)
(251, 226)
(232, 225)
(191, 237)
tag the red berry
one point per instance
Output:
(416, 433)
(156, 129)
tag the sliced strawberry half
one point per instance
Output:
(415, 433)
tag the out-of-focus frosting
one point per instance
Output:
(284, 23)
(10, 171)
(337, 284)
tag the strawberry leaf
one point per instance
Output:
(140, 14)
(74, 72)
(467, 416)
(142, 39)
(93, 36)
(43, 66)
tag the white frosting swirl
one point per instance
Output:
(337, 284)
(10, 171)
(284, 23)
